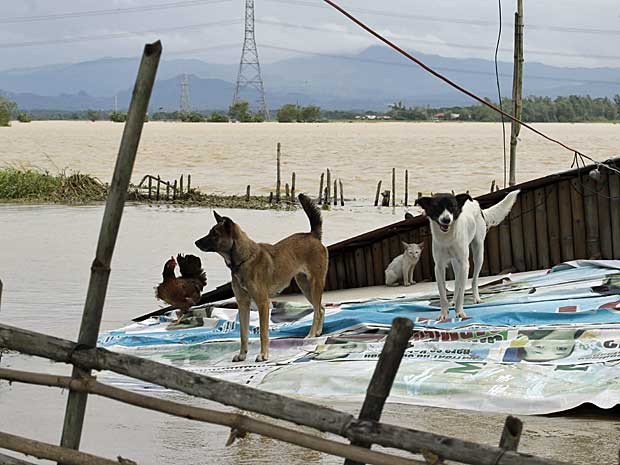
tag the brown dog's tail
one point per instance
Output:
(314, 215)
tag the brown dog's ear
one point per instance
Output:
(228, 223)
(218, 217)
(462, 198)
(423, 202)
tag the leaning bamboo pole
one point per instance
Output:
(274, 405)
(235, 421)
(59, 454)
(100, 269)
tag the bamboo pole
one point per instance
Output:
(150, 186)
(511, 434)
(321, 188)
(406, 188)
(328, 186)
(378, 193)
(287, 192)
(383, 377)
(158, 182)
(293, 187)
(393, 187)
(189, 183)
(247, 193)
(517, 92)
(100, 269)
(237, 421)
(274, 405)
(174, 190)
(59, 454)
(181, 187)
(278, 179)
(335, 192)
(341, 194)
(167, 191)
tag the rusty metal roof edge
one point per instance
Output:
(485, 199)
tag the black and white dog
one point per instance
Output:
(458, 223)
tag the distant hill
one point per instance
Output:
(371, 79)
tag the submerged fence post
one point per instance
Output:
(293, 187)
(321, 188)
(278, 180)
(100, 269)
(377, 194)
(335, 192)
(181, 187)
(406, 188)
(158, 183)
(247, 193)
(393, 187)
(384, 374)
(341, 194)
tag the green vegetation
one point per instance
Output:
(93, 115)
(23, 117)
(6, 111)
(290, 113)
(118, 117)
(32, 185)
(240, 111)
(218, 118)
(35, 185)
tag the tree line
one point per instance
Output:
(571, 108)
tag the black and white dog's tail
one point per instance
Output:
(495, 215)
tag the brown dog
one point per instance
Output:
(259, 271)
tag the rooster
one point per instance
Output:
(182, 292)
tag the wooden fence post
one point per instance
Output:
(511, 434)
(287, 192)
(181, 187)
(278, 179)
(189, 183)
(406, 188)
(384, 374)
(293, 187)
(167, 190)
(247, 193)
(328, 186)
(377, 194)
(393, 187)
(174, 190)
(335, 192)
(150, 186)
(321, 188)
(100, 269)
(158, 182)
(341, 194)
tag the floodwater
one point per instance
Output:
(46, 251)
(225, 158)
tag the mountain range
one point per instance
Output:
(371, 79)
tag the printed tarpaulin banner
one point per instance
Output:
(537, 345)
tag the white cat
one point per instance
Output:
(400, 270)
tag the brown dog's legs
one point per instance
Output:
(312, 290)
(243, 302)
(262, 303)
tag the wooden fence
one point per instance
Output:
(565, 216)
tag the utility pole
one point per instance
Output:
(249, 75)
(517, 91)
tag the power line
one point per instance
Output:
(117, 35)
(473, 22)
(114, 11)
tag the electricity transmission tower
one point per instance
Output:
(184, 106)
(249, 76)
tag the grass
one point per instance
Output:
(38, 186)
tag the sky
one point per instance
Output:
(567, 33)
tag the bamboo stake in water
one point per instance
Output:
(328, 186)
(189, 183)
(335, 193)
(181, 187)
(378, 193)
(278, 181)
(247, 193)
(150, 186)
(293, 187)
(321, 188)
(158, 182)
(406, 188)
(341, 194)
(393, 187)
(100, 269)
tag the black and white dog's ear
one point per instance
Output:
(218, 217)
(462, 198)
(423, 202)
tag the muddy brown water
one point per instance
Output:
(46, 251)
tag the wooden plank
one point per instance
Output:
(360, 268)
(529, 230)
(579, 226)
(567, 242)
(332, 274)
(386, 253)
(370, 274)
(589, 188)
(614, 212)
(349, 262)
(604, 216)
(384, 374)
(418, 275)
(428, 265)
(505, 249)
(542, 236)
(377, 263)
(341, 271)
(516, 235)
(493, 256)
(553, 224)
(273, 405)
